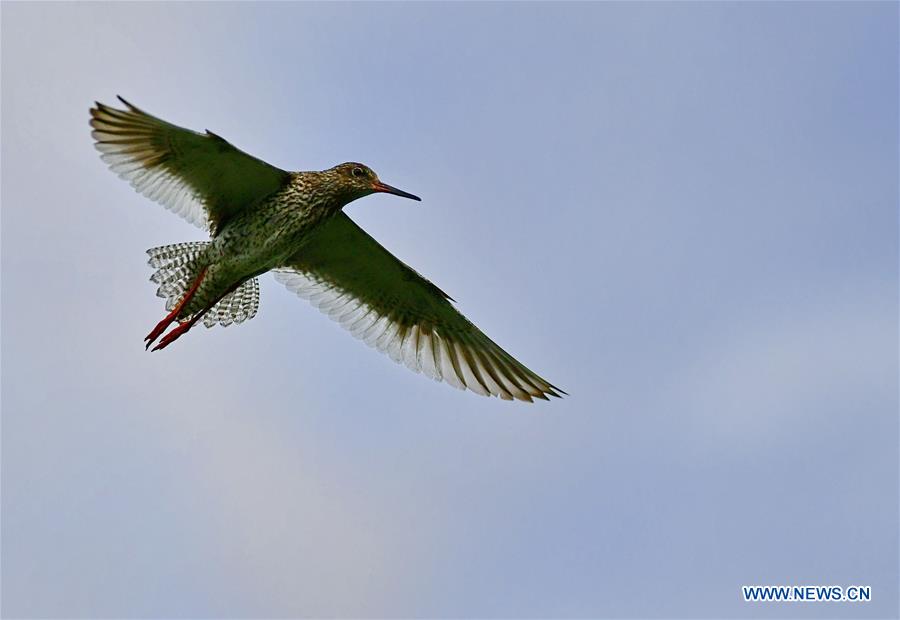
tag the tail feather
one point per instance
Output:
(176, 268)
(236, 307)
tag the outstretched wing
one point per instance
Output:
(352, 278)
(200, 177)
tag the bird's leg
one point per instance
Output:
(173, 315)
(183, 328)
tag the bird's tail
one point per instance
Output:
(236, 307)
(176, 269)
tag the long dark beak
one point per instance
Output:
(378, 186)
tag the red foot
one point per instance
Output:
(173, 335)
(173, 315)
(161, 327)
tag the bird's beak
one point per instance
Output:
(378, 186)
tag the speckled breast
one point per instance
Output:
(261, 238)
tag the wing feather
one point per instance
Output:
(200, 177)
(350, 277)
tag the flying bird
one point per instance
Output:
(261, 218)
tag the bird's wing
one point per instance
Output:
(200, 177)
(352, 278)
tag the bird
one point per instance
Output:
(261, 218)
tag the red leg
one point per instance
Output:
(173, 315)
(173, 335)
(182, 329)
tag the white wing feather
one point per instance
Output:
(199, 177)
(350, 277)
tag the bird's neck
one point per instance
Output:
(326, 190)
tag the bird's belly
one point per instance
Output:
(241, 252)
(224, 273)
(250, 254)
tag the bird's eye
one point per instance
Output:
(358, 172)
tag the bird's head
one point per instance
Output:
(359, 180)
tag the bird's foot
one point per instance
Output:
(160, 328)
(172, 316)
(173, 335)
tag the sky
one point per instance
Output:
(684, 215)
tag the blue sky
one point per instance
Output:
(685, 215)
